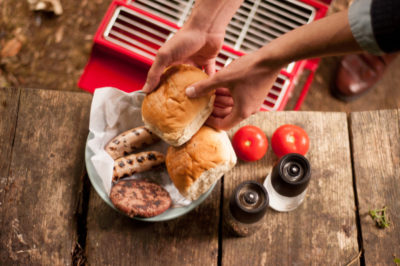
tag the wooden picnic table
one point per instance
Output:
(50, 214)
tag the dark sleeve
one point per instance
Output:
(385, 20)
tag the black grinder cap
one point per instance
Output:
(290, 177)
(249, 202)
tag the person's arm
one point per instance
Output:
(212, 16)
(385, 21)
(324, 37)
(250, 77)
(198, 42)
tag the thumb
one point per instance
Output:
(155, 72)
(203, 87)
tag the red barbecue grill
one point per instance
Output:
(131, 32)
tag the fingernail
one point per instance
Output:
(145, 88)
(190, 91)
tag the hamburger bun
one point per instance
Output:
(200, 162)
(169, 113)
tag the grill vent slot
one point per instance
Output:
(276, 93)
(175, 11)
(256, 22)
(145, 36)
(137, 33)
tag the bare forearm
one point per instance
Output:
(212, 15)
(325, 37)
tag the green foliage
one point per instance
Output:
(380, 218)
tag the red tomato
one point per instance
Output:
(250, 143)
(289, 139)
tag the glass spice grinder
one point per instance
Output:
(288, 181)
(246, 208)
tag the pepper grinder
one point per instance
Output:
(247, 206)
(288, 181)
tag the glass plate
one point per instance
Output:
(169, 214)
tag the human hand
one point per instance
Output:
(240, 89)
(190, 46)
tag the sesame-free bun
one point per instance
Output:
(200, 162)
(169, 113)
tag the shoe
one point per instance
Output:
(358, 73)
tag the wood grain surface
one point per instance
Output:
(114, 239)
(38, 225)
(8, 112)
(375, 139)
(322, 231)
(43, 135)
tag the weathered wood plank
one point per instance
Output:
(38, 224)
(113, 239)
(322, 231)
(375, 137)
(8, 121)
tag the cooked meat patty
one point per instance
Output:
(140, 198)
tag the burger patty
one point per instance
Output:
(140, 198)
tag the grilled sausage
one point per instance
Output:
(136, 163)
(130, 141)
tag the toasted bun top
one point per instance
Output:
(168, 108)
(207, 149)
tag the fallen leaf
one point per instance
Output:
(11, 48)
(59, 34)
(3, 81)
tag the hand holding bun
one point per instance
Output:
(169, 113)
(200, 162)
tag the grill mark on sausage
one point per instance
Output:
(125, 175)
(151, 156)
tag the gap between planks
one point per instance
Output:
(360, 256)
(79, 253)
(81, 209)
(12, 150)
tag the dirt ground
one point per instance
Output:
(50, 51)
(41, 50)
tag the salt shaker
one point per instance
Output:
(247, 206)
(288, 181)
